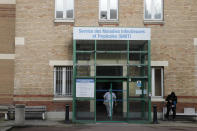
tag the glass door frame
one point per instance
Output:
(95, 78)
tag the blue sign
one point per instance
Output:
(139, 84)
(111, 33)
(85, 80)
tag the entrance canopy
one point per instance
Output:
(111, 33)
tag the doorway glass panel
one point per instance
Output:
(109, 108)
(136, 91)
(138, 110)
(116, 45)
(111, 59)
(138, 45)
(109, 70)
(85, 110)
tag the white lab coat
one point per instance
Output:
(108, 98)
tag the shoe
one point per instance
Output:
(167, 117)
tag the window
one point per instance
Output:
(153, 10)
(64, 9)
(63, 81)
(157, 82)
(108, 10)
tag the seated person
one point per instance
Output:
(171, 105)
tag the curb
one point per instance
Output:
(184, 124)
(6, 128)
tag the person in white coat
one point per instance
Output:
(109, 99)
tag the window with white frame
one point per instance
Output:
(64, 9)
(157, 82)
(63, 80)
(153, 10)
(108, 10)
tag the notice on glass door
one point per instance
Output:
(85, 88)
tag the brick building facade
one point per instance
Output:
(7, 49)
(43, 42)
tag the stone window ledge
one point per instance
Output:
(108, 22)
(157, 99)
(59, 99)
(152, 22)
(64, 20)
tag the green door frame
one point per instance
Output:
(95, 77)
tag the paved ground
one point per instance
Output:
(39, 125)
(105, 128)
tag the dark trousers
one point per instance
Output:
(173, 110)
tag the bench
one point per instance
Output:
(35, 112)
(30, 112)
(4, 110)
(188, 112)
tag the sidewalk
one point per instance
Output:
(5, 125)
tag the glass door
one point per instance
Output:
(110, 101)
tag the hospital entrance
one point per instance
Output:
(111, 76)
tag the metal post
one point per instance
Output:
(67, 114)
(128, 53)
(95, 53)
(149, 80)
(155, 121)
(74, 82)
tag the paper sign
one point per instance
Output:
(139, 92)
(84, 88)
